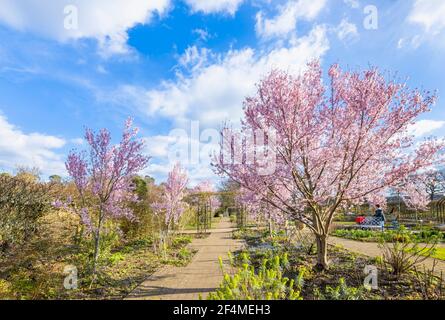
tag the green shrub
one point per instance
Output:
(23, 201)
(402, 234)
(355, 234)
(5, 290)
(266, 283)
(185, 254)
(340, 292)
(140, 243)
(427, 234)
(116, 257)
(181, 241)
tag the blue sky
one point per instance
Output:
(168, 63)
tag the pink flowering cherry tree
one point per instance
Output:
(335, 142)
(103, 178)
(172, 204)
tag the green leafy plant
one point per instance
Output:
(430, 285)
(340, 292)
(185, 254)
(116, 257)
(266, 283)
(180, 241)
(354, 234)
(402, 234)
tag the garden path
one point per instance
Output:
(371, 249)
(200, 277)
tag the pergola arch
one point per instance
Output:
(203, 210)
(439, 210)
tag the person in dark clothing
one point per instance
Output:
(379, 214)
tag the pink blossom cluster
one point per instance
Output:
(103, 176)
(207, 190)
(258, 208)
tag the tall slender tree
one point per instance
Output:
(172, 204)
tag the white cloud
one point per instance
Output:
(424, 23)
(285, 22)
(167, 150)
(32, 150)
(101, 69)
(215, 6)
(429, 14)
(157, 146)
(197, 173)
(203, 34)
(77, 141)
(209, 87)
(413, 42)
(352, 3)
(104, 20)
(347, 31)
(424, 127)
(195, 57)
(214, 91)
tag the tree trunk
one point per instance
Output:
(97, 246)
(96, 251)
(270, 228)
(78, 235)
(286, 228)
(322, 252)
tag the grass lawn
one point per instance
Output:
(389, 235)
(439, 253)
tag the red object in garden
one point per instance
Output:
(359, 220)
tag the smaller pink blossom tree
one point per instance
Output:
(258, 208)
(171, 203)
(207, 193)
(103, 178)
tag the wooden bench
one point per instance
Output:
(370, 223)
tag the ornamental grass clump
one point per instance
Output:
(401, 256)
